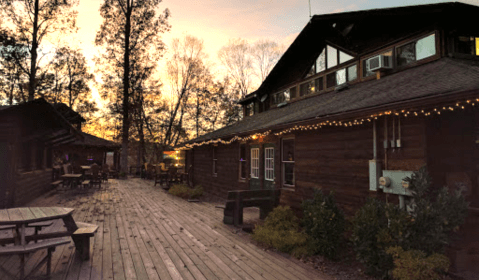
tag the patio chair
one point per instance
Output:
(95, 175)
(160, 176)
(105, 169)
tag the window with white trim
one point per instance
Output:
(255, 163)
(287, 160)
(269, 164)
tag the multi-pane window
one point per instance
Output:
(215, 159)
(329, 58)
(342, 76)
(269, 164)
(255, 163)
(467, 45)
(243, 161)
(416, 50)
(287, 159)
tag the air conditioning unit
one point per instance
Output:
(379, 62)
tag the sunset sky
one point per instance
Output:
(217, 21)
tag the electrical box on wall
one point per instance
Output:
(374, 174)
(392, 182)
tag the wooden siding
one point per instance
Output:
(337, 158)
(30, 185)
(226, 178)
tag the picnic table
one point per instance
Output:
(22, 218)
(71, 179)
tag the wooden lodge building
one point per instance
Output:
(90, 149)
(357, 96)
(28, 134)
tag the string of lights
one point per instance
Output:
(461, 105)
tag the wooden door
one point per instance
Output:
(254, 182)
(269, 168)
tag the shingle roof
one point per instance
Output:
(93, 141)
(368, 31)
(444, 77)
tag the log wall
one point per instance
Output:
(30, 185)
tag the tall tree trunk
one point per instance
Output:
(33, 62)
(126, 89)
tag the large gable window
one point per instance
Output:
(329, 58)
(416, 50)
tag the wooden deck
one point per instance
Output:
(145, 233)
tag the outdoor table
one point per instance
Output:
(21, 217)
(71, 179)
(24, 217)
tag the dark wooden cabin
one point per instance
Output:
(28, 134)
(90, 149)
(359, 95)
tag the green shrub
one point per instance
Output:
(415, 265)
(371, 235)
(426, 227)
(324, 223)
(180, 190)
(437, 213)
(280, 230)
(196, 193)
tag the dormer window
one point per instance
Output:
(249, 110)
(282, 96)
(416, 50)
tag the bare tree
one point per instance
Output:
(184, 69)
(130, 33)
(236, 58)
(265, 55)
(33, 20)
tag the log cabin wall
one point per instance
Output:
(9, 133)
(30, 185)
(453, 158)
(226, 178)
(337, 158)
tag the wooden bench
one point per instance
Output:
(22, 250)
(85, 183)
(81, 237)
(57, 183)
(266, 200)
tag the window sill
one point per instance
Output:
(291, 189)
(242, 180)
(215, 175)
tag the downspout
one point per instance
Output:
(386, 139)
(375, 139)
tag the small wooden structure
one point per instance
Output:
(28, 134)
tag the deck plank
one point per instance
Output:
(144, 234)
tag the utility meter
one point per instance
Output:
(384, 182)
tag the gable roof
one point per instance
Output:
(48, 123)
(93, 141)
(360, 32)
(69, 114)
(444, 80)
